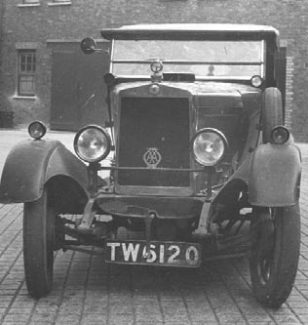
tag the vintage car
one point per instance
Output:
(194, 152)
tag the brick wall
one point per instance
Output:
(85, 18)
(289, 92)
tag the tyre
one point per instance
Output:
(274, 253)
(272, 112)
(38, 240)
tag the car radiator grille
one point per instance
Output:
(159, 125)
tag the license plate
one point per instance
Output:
(159, 254)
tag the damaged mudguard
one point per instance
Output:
(274, 178)
(32, 163)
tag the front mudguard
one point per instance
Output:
(270, 176)
(274, 178)
(32, 163)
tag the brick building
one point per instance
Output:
(40, 51)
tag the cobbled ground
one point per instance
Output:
(87, 291)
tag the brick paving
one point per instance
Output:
(87, 291)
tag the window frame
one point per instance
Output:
(26, 68)
(53, 3)
(31, 2)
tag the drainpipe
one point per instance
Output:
(6, 115)
(2, 26)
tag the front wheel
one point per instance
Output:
(38, 240)
(274, 254)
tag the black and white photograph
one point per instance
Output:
(153, 162)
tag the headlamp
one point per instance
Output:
(280, 135)
(92, 143)
(256, 81)
(209, 146)
(37, 130)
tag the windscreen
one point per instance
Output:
(234, 59)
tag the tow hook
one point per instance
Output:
(148, 224)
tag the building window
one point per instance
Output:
(26, 72)
(31, 1)
(28, 3)
(59, 2)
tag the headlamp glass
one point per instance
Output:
(37, 130)
(280, 135)
(92, 144)
(209, 146)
